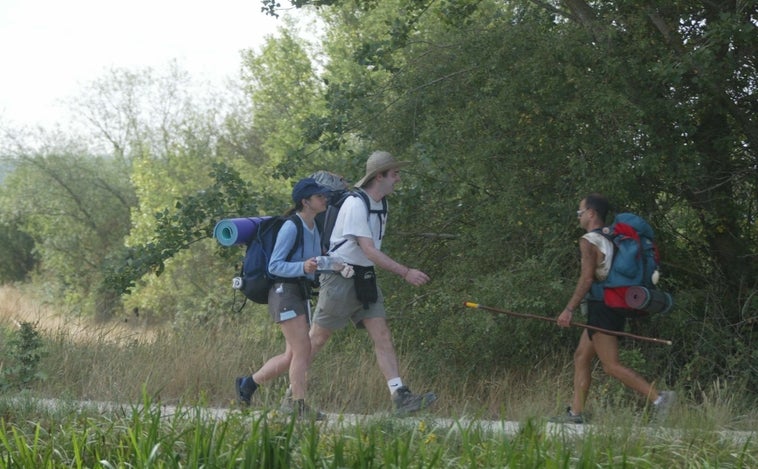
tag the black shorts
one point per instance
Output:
(600, 315)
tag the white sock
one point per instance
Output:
(658, 399)
(394, 384)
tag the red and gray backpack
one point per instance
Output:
(632, 280)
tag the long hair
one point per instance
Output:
(297, 208)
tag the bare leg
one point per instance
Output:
(274, 366)
(607, 350)
(383, 348)
(319, 336)
(296, 334)
(279, 364)
(583, 356)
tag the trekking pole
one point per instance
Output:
(469, 304)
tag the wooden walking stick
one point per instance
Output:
(469, 304)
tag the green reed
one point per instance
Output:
(150, 436)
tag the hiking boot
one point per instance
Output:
(406, 402)
(303, 411)
(568, 417)
(245, 388)
(663, 407)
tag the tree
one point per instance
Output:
(511, 111)
(284, 94)
(16, 258)
(75, 208)
(691, 66)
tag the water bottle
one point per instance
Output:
(237, 283)
(329, 263)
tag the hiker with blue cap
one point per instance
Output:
(288, 299)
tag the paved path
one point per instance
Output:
(432, 423)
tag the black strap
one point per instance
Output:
(298, 237)
(383, 211)
(371, 211)
(298, 244)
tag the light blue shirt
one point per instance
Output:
(279, 266)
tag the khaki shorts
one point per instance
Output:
(338, 304)
(286, 301)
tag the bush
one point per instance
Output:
(24, 350)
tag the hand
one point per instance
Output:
(309, 266)
(347, 271)
(564, 319)
(415, 277)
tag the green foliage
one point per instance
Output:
(511, 113)
(191, 220)
(22, 353)
(284, 91)
(16, 253)
(75, 209)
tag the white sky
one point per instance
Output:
(50, 49)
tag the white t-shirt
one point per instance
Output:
(352, 222)
(606, 249)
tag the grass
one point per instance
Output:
(145, 436)
(146, 369)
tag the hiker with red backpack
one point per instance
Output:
(597, 251)
(288, 298)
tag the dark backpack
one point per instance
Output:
(326, 223)
(255, 277)
(333, 205)
(631, 281)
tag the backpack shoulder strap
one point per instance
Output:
(363, 195)
(298, 237)
(383, 211)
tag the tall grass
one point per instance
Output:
(144, 436)
(194, 368)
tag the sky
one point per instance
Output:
(50, 49)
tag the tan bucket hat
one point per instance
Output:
(379, 162)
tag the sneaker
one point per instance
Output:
(663, 407)
(407, 402)
(568, 417)
(304, 412)
(245, 388)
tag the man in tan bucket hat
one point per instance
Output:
(357, 239)
(379, 162)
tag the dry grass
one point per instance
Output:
(118, 361)
(17, 306)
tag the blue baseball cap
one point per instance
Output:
(307, 187)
